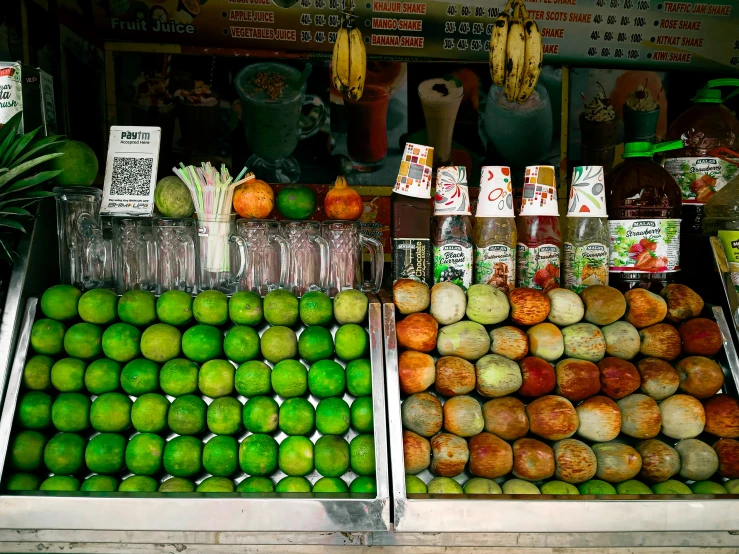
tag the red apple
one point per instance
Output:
(532, 460)
(577, 379)
(417, 332)
(552, 417)
(490, 456)
(450, 455)
(728, 458)
(575, 461)
(416, 371)
(416, 452)
(699, 376)
(658, 378)
(618, 378)
(538, 377)
(722, 416)
(659, 460)
(506, 417)
(454, 376)
(701, 336)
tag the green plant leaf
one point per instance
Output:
(13, 224)
(31, 181)
(24, 141)
(6, 253)
(9, 130)
(38, 146)
(7, 144)
(10, 210)
(13, 173)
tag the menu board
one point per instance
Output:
(620, 33)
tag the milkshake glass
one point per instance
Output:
(440, 100)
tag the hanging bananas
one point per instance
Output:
(349, 61)
(533, 57)
(498, 42)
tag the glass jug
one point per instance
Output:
(175, 249)
(222, 255)
(269, 255)
(309, 256)
(134, 254)
(346, 270)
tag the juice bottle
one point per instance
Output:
(451, 228)
(586, 238)
(494, 233)
(643, 202)
(539, 246)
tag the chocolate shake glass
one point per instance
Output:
(598, 129)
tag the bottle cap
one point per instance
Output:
(587, 193)
(414, 175)
(539, 191)
(709, 95)
(452, 197)
(496, 192)
(647, 149)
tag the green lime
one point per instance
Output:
(99, 306)
(111, 412)
(174, 307)
(60, 302)
(23, 482)
(704, 487)
(187, 415)
(37, 373)
(330, 484)
(183, 456)
(316, 308)
(78, 166)
(362, 416)
(27, 451)
(632, 486)
(71, 412)
(140, 376)
(332, 416)
(245, 308)
(253, 378)
(671, 486)
(279, 343)
(296, 202)
(210, 307)
(105, 453)
(137, 307)
(216, 378)
(144, 454)
(364, 485)
(293, 484)
(179, 377)
(149, 413)
(161, 342)
(351, 342)
(550, 487)
(296, 456)
(315, 343)
(84, 341)
(103, 375)
(289, 378)
(47, 337)
(359, 377)
(260, 414)
(216, 484)
(60, 483)
(224, 416)
(297, 416)
(64, 454)
(201, 343)
(258, 455)
(362, 450)
(177, 484)
(34, 410)
(332, 456)
(281, 308)
(100, 483)
(221, 456)
(326, 378)
(596, 486)
(121, 342)
(350, 306)
(68, 375)
(447, 485)
(414, 485)
(241, 344)
(138, 483)
(256, 484)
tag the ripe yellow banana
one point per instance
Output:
(533, 57)
(498, 40)
(349, 62)
(340, 60)
(515, 52)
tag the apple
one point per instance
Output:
(698, 461)
(552, 417)
(618, 378)
(728, 458)
(682, 302)
(603, 304)
(640, 416)
(505, 417)
(644, 308)
(532, 460)
(497, 376)
(701, 336)
(448, 302)
(682, 417)
(417, 332)
(616, 461)
(416, 371)
(454, 376)
(575, 461)
(600, 419)
(528, 306)
(490, 456)
(545, 341)
(722, 416)
(584, 341)
(622, 340)
(538, 377)
(416, 452)
(699, 376)
(422, 413)
(658, 378)
(577, 379)
(660, 341)
(411, 296)
(566, 307)
(509, 341)
(450, 455)
(659, 460)
(463, 416)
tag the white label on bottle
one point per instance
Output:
(453, 262)
(538, 267)
(645, 245)
(585, 265)
(495, 265)
(700, 178)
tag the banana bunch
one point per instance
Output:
(349, 61)
(516, 52)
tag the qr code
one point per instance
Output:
(131, 176)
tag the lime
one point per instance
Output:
(671, 486)
(260, 414)
(202, 343)
(64, 453)
(446, 485)
(316, 308)
(351, 342)
(183, 456)
(60, 302)
(315, 344)
(137, 307)
(330, 484)
(23, 482)
(216, 484)
(78, 165)
(332, 416)
(172, 197)
(71, 412)
(103, 375)
(245, 308)
(362, 450)
(187, 415)
(289, 378)
(68, 375)
(224, 416)
(258, 455)
(550, 487)
(414, 485)
(359, 377)
(256, 484)
(105, 453)
(350, 306)
(364, 485)
(121, 342)
(297, 416)
(704, 487)
(293, 484)
(362, 417)
(177, 484)
(140, 376)
(279, 343)
(241, 344)
(47, 337)
(296, 202)
(179, 377)
(138, 483)
(253, 378)
(296, 456)
(332, 456)
(174, 307)
(144, 454)
(60, 483)
(111, 412)
(161, 342)
(221, 456)
(216, 378)
(100, 483)
(27, 450)
(596, 486)
(83, 340)
(99, 306)
(37, 373)
(281, 308)
(326, 378)
(210, 307)
(149, 413)
(34, 410)
(632, 486)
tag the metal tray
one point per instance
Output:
(460, 513)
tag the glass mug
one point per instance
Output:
(175, 248)
(269, 255)
(309, 256)
(134, 254)
(346, 270)
(222, 255)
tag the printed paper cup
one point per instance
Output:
(414, 175)
(587, 192)
(452, 196)
(539, 191)
(496, 192)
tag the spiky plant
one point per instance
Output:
(22, 180)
